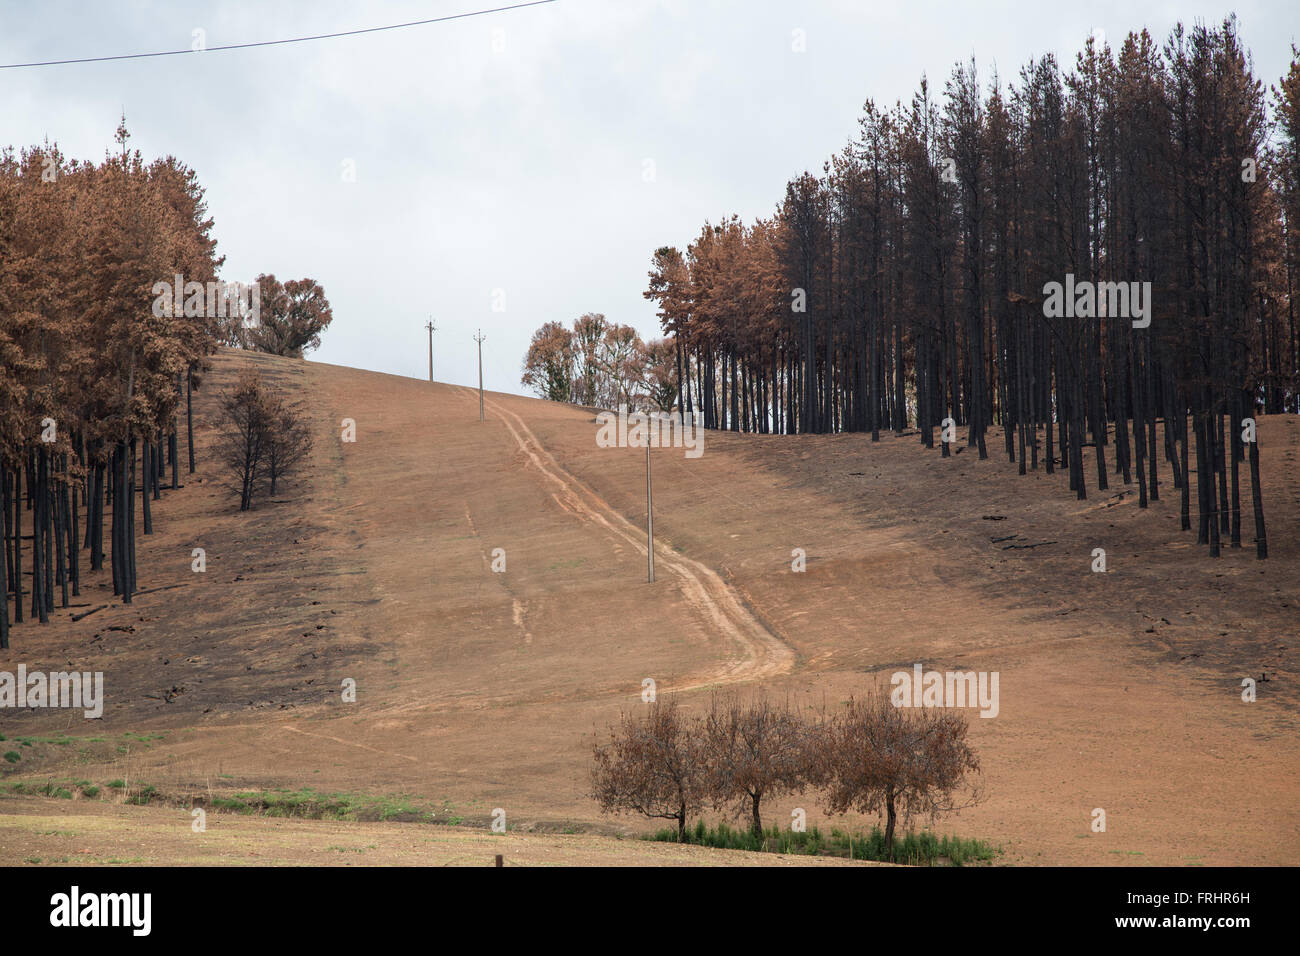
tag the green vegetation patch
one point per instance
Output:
(916, 849)
(313, 805)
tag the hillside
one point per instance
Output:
(478, 690)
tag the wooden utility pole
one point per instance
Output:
(479, 339)
(430, 326)
(649, 516)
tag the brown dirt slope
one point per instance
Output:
(479, 690)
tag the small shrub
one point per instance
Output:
(142, 797)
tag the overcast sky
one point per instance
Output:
(510, 151)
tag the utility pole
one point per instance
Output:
(479, 339)
(430, 326)
(649, 515)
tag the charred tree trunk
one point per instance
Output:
(18, 543)
(96, 523)
(40, 608)
(189, 416)
(1261, 539)
(149, 477)
(4, 564)
(74, 555)
(129, 500)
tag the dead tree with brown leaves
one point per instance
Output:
(651, 765)
(245, 416)
(288, 440)
(875, 757)
(752, 750)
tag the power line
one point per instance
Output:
(244, 46)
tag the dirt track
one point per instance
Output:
(761, 654)
(484, 690)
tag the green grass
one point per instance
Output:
(314, 805)
(61, 740)
(558, 565)
(62, 789)
(52, 789)
(305, 803)
(918, 849)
